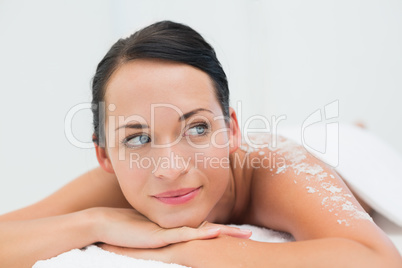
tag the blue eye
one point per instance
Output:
(198, 130)
(136, 140)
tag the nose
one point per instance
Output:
(169, 165)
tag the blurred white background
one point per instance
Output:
(288, 57)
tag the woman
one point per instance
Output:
(173, 170)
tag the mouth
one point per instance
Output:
(177, 197)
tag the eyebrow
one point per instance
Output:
(181, 118)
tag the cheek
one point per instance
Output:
(132, 178)
(216, 157)
(216, 167)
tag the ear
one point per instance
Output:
(235, 133)
(103, 159)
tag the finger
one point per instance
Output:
(236, 232)
(228, 230)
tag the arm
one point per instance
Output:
(234, 252)
(54, 224)
(25, 242)
(95, 188)
(72, 218)
(226, 251)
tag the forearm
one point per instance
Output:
(234, 252)
(22, 243)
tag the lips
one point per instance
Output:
(177, 197)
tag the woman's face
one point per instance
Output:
(167, 141)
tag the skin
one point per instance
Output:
(244, 195)
(115, 204)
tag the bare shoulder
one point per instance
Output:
(297, 193)
(95, 188)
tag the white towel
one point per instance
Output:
(95, 257)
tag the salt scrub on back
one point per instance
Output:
(311, 189)
(334, 198)
(260, 143)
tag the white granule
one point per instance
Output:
(348, 206)
(343, 221)
(308, 178)
(256, 142)
(280, 169)
(311, 190)
(363, 215)
(260, 139)
(295, 154)
(338, 198)
(357, 214)
(293, 151)
(331, 188)
(243, 244)
(306, 168)
(340, 202)
(298, 158)
(321, 176)
(290, 150)
(245, 149)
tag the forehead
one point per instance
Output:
(136, 85)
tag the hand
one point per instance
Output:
(183, 253)
(128, 228)
(179, 253)
(227, 230)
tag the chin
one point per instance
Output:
(170, 221)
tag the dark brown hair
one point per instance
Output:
(164, 40)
